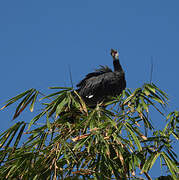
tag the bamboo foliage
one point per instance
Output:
(67, 139)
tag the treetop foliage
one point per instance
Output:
(67, 139)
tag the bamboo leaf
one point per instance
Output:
(136, 140)
(11, 170)
(33, 101)
(48, 123)
(53, 94)
(175, 135)
(35, 177)
(52, 107)
(19, 111)
(36, 118)
(8, 133)
(19, 136)
(147, 99)
(158, 100)
(163, 93)
(171, 166)
(82, 102)
(35, 135)
(172, 155)
(103, 143)
(82, 141)
(22, 105)
(145, 106)
(156, 155)
(66, 88)
(146, 92)
(150, 162)
(5, 137)
(150, 88)
(12, 133)
(60, 106)
(42, 139)
(132, 95)
(14, 99)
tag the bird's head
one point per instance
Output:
(114, 54)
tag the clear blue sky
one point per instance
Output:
(40, 39)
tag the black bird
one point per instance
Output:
(98, 86)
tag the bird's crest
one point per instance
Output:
(103, 69)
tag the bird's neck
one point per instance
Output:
(117, 65)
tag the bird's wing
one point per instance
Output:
(97, 72)
(106, 84)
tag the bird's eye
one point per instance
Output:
(115, 53)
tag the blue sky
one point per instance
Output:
(39, 40)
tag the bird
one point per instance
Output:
(98, 86)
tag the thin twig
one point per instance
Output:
(151, 69)
(71, 81)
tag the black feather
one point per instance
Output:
(97, 72)
(97, 86)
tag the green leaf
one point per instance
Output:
(66, 88)
(150, 162)
(147, 99)
(132, 95)
(171, 166)
(14, 99)
(163, 93)
(146, 92)
(60, 106)
(48, 123)
(23, 104)
(136, 140)
(8, 132)
(175, 135)
(150, 88)
(158, 100)
(11, 170)
(145, 106)
(19, 136)
(53, 94)
(102, 143)
(33, 101)
(42, 139)
(36, 118)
